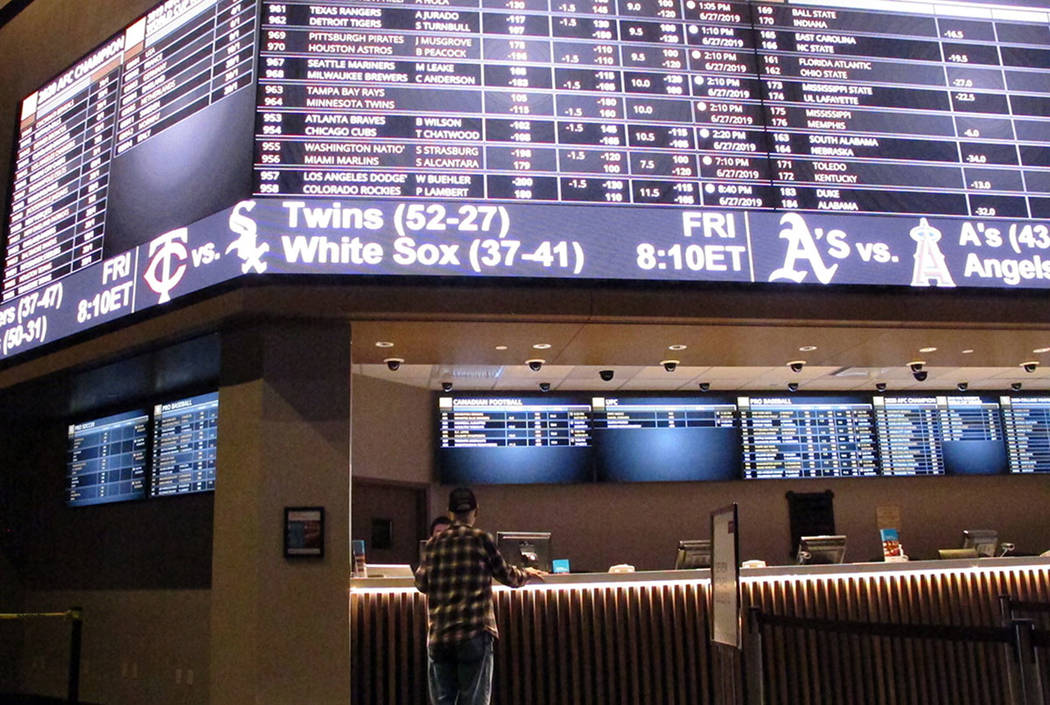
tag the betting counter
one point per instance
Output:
(642, 637)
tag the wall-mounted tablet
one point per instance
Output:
(663, 438)
(509, 439)
(807, 436)
(184, 445)
(106, 459)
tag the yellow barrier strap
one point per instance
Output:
(28, 615)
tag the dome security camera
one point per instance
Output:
(962, 386)
(880, 386)
(545, 386)
(606, 375)
(916, 365)
(1016, 386)
(796, 365)
(920, 375)
(1030, 365)
(535, 364)
(393, 363)
(705, 386)
(446, 386)
(670, 365)
(792, 386)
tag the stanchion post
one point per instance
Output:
(753, 667)
(77, 623)
(1006, 610)
(1028, 678)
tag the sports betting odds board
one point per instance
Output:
(871, 142)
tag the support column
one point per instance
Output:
(280, 626)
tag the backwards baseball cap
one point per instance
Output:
(461, 500)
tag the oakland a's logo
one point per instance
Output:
(167, 263)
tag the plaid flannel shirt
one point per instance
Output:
(456, 576)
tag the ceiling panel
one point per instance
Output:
(729, 357)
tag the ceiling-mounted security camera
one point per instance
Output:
(792, 386)
(393, 363)
(962, 386)
(545, 386)
(1030, 365)
(606, 375)
(1016, 386)
(446, 386)
(796, 365)
(670, 365)
(917, 365)
(880, 386)
(535, 364)
(705, 386)
(920, 375)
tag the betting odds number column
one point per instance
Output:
(518, 102)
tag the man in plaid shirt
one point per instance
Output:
(456, 576)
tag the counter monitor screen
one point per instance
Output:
(526, 549)
(654, 438)
(818, 550)
(490, 439)
(184, 445)
(106, 459)
(693, 554)
(984, 541)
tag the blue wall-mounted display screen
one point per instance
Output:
(107, 459)
(803, 436)
(638, 437)
(513, 439)
(649, 439)
(185, 438)
(940, 434)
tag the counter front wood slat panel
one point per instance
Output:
(611, 640)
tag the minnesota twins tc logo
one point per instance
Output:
(167, 263)
(247, 246)
(930, 267)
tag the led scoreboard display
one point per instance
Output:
(936, 108)
(862, 142)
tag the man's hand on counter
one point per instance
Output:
(536, 575)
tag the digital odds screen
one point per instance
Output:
(106, 459)
(874, 142)
(671, 437)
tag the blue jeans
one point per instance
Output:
(461, 674)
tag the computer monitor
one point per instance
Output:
(984, 541)
(694, 553)
(815, 550)
(526, 549)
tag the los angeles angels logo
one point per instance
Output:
(930, 268)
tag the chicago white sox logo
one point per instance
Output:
(167, 264)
